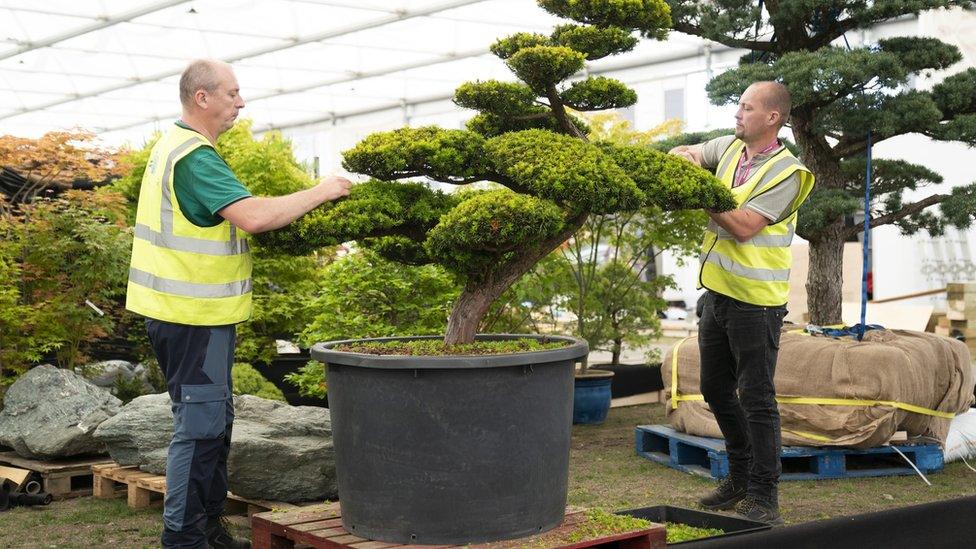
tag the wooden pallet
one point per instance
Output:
(62, 478)
(142, 489)
(707, 457)
(320, 527)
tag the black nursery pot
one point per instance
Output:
(452, 449)
(633, 379)
(700, 519)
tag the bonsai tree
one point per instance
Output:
(840, 96)
(549, 177)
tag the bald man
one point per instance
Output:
(190, 276)
(745, 266)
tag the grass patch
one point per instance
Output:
(81, 523)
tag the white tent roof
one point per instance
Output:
(112, 66)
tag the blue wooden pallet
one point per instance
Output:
(707, 457)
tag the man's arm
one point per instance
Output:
(743, 223)
(691, 153)
(261, 214)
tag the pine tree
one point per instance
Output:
(839, 96)
(549, 176)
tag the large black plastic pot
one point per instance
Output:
(451, 450)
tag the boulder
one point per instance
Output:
(278, 452)
(139, 434)
(52, 413)
(281, 452)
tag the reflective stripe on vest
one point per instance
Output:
(767, 275)
(181, 272)
(188, 289)
(756, 271)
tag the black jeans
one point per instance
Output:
(738, 344)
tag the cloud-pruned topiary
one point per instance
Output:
(548, 176)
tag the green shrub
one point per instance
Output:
(310, 380)
(363, 295)
(248, 381)
(69, 252)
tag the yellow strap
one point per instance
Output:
(811, 436)
(841, 402)
(863, 402)
(823, 401)
(674, 373)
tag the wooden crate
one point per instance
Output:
(321, 527)
(142, 489)
(62, 478)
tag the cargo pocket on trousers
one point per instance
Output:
(204, 411)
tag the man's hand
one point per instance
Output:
(333, 187)
(258, 214)
(691, 153)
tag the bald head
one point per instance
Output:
(774, 97)
(211, 97)
(201, 74)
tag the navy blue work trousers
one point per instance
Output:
(196, 361)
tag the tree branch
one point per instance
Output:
(559, 111)
(732, 42)
(890, 218)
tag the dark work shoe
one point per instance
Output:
(219, 538)
(725, 496)
(756, 509)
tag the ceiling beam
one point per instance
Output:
(298, 41)
(101, 23)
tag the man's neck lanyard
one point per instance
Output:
(745, 166)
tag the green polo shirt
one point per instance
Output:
(205, 185)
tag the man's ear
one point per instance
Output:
(200, 98)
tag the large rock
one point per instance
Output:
(278, 452)
(281, 452)
(139, 434)
(52, 413)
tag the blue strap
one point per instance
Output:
(867, 239)
(848, 331)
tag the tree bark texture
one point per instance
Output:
(476, 297)
(825, 280)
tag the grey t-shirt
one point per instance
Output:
(774, 204)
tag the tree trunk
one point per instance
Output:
(470, 308)
(476, 297)
(827, 245)
(617, 348)
(825, 280)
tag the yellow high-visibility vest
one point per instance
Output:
(180, 272)
(756, 271)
